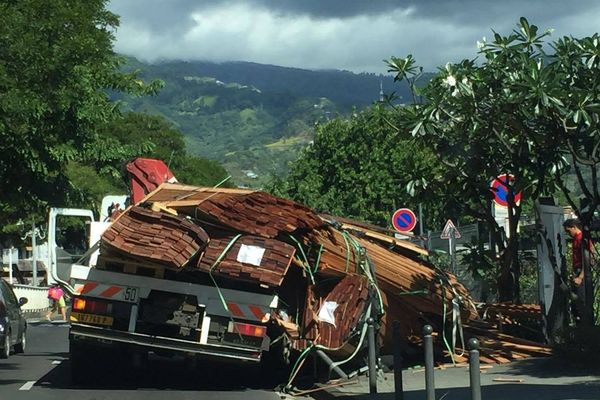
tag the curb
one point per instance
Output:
(44, 321)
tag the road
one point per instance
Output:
(43, 373)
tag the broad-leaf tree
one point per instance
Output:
(516, 110)
(102, 170)
(359, 168)
(153, 136)
(575, 65)
(480, 118)
(56, 66)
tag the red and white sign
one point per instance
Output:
(404, 220)
(450, 231)
(500, 190)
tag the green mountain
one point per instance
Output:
(252, 118)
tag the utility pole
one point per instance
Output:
(10, 261)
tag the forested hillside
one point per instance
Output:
(252, 118)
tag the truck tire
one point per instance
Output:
(277, 360)
(92, 364)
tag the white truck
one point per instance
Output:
(118, 316)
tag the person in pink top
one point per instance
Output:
(57, 302)
(573, 228)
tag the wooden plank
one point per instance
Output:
(388, 239)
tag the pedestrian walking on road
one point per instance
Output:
(57, 302)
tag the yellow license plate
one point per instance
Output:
(91, 319)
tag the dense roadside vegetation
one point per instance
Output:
(63, 139)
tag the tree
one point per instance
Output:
(575, 68)
(517, 110)
(480, 120)
(56, 66)
(137, 135)
(358, 168)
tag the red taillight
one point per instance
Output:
(91, 306)
(248, 329)
(96, 307)
(79, 304)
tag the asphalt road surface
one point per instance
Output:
(43, 372)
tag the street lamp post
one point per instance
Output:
(34, 233)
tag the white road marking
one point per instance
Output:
(56, 362)
(28, 385)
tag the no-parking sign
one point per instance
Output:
(404, 220)
(501, 191)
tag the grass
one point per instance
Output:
(284, 143)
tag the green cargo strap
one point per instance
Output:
(222, 182)
(318, 260)
(413, 292)
(307, 265)
(361, 263)
(217, 261)
(344, 235)
(298, 364)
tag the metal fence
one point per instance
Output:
(468, 233)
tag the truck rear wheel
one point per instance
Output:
(92, 364)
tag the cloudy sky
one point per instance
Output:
(353, 35)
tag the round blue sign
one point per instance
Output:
(501, 191)
(404, 220)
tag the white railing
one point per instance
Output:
(37, 297)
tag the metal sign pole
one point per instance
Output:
(10, 271)
(372, 356)
(420, 219)
(452, 244)
(33, 252)
(396, 337)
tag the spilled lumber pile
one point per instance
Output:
(350, 296)
(497, 347)
(331, 274)
(512, 314)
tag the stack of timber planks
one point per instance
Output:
(158, 237)
(269, 265)
(497, 347)
(350, 296)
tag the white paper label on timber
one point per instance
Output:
(326, 312)
(250, 254)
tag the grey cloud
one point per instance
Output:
(155, 15)
(466, 10)
(342, 34)
(332, 9)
